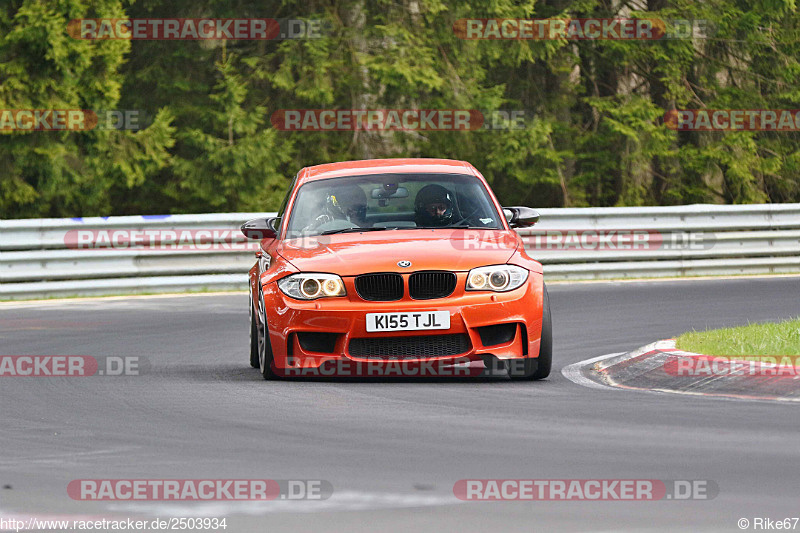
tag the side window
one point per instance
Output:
(282, 208)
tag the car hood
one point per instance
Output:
(350, 254)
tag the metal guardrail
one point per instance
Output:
(45, 258)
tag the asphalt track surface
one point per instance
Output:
(391, 450)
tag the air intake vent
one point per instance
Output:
(317, 342)
(497, 334)
(411, 347)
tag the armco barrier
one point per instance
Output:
(36, 260)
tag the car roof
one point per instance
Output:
(385, 166)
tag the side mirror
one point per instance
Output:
(521, 217)
(260, 228)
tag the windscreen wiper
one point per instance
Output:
(456, 226)
(352, 230)
(467, 225)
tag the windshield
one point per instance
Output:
(392, 201)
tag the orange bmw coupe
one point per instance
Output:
(381, 263)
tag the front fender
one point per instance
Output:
(521, 258)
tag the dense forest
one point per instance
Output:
(594, 130)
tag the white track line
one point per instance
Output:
(661, 279)
(15, 304)
(342, 501)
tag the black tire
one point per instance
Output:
(253, 338)
(264, 347)
(539, 368)
(546, 343)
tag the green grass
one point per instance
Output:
(752, 340)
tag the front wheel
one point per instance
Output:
(253, 338)
(264, 347)
(539, 367)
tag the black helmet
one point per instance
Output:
(351, 201)
(433, 206)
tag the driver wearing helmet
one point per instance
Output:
(348, 202)
(352, 202)
(433, 206)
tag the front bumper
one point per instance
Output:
(344, 319)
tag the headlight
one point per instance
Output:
(312, 286)
(497, 278)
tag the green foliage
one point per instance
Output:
(67, 173)
(237, 165)
(594, 132)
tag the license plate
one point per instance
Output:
(408, 321)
